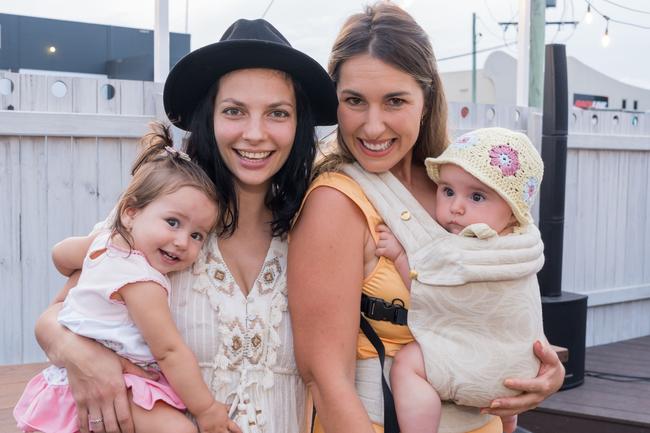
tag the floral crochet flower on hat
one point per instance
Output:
(504, 160)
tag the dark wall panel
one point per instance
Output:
(9, 53)
(80, 47)
(118, 52)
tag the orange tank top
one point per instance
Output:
(383, 281)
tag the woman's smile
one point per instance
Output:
(376, 147)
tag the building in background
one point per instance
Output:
(40, 45)
(588, 88)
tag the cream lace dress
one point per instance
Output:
(243, 343)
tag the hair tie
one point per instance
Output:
(175, 153)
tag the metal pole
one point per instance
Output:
(537, 51)
(474, 58)
(523, 53)
(161, 42)
(187, 15)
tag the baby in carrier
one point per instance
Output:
(475, 303)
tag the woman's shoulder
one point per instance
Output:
(335, 179)
(348, 189)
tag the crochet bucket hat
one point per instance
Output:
(504, 160)
(246, 44)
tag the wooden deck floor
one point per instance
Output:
(600, 405)
(12, 382)
(597, 406)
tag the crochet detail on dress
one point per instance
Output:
(248, 327)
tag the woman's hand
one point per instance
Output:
(97, 384)
(94, 374)
(549, 379)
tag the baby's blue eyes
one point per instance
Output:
(477, 197)
(175, 223)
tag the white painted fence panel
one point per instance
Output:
(61, 172)
(607, 232)
(54, 186)
(11, 315)
(82, 95)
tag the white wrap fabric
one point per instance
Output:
(475, 303)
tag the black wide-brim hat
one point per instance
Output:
(246, 44)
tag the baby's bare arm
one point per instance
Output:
(388, 246)
(147, 305)
(68, 255)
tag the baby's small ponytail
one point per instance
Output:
(158, 145)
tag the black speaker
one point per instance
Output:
(556, 91)
(554, 154)
(564, 313)
(565, 324)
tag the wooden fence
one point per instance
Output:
(607, 222)
(65, 156)
(65, 159)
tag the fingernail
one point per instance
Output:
(484, 411)
(496, 404)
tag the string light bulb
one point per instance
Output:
(605, 41)
(588, 16)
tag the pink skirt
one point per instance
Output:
(47, 404)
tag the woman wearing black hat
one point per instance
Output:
(250, 103)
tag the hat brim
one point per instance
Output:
(191, 78)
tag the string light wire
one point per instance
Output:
(613, 20)
(267, 8)
(442, 59)
(627, 7)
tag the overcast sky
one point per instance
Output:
(311, 25)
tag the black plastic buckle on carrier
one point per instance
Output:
(393, 312)
(380, 309)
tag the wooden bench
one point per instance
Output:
(562, 352)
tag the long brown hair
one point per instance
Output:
(158, 170)
(390, 34)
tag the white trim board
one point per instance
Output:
(604, 141)
(34, 123)
(617, 295)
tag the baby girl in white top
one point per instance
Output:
(121, 299)
(487, 180)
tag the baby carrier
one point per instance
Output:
(475, 304)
